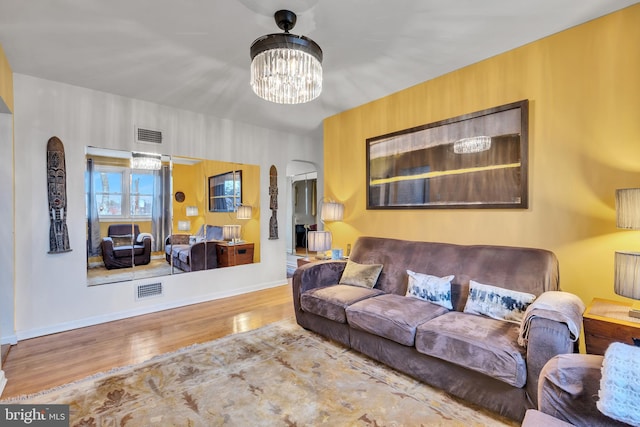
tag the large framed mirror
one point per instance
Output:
(148, 216)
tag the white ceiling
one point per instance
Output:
(194, 54)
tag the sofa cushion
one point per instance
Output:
(331, 301)
(430, 288)
(475, 342)
(365, 275)
(127, 251)
(496, 302)
(391, 316)
(183, 254)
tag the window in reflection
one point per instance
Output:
(225, 192)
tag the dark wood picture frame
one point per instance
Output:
(225, 202)
(477, 160)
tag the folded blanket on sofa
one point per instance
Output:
(554, 305)
(620, 384)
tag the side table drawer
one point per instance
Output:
(599, 334)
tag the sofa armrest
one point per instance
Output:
(568, 390)
(547, 338)
(107, 247)
(315, 275)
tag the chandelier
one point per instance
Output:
(286, 68)
(146, 161)
(475, 144)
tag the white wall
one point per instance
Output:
(6, 233)
(50, 290)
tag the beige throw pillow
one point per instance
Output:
(365, 275)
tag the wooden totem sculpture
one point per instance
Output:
(273, 203)
(57, 192)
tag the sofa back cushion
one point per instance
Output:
(214, 232)
(521, 269)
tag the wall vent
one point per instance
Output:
(149, 290)
(148, 136)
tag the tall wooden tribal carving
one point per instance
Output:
(57, 192)
(273, 203)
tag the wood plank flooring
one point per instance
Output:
(40, 363)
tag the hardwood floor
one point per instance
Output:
(44, 362)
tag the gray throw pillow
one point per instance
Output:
(364, 275)
(122, 240)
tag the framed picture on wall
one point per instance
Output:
(478, 160)
(225, 191)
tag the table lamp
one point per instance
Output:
(231, 233)
(627, 264)
(319, 241)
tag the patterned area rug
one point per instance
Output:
(277, 375)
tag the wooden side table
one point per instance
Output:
(234, 254)
(607, 321)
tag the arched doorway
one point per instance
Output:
(302, 204)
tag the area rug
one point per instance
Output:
(276, 375)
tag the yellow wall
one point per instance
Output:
(6, 80)
(583, 87)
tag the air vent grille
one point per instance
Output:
(148, 135)
(149, 290)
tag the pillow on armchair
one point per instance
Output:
(620, 383)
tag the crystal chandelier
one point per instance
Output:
(146, 161)
(286, 68)
(475, 144)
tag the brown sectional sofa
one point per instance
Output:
(474, 357)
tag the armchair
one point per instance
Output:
(125, 247)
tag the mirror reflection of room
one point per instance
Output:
(153, 218)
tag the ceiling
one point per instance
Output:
(194, 54)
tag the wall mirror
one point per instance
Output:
(148, 216)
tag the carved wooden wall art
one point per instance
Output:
(273, 203)
(57, 193)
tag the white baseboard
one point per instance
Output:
(96, 320)
(3, 381)
(9, 339)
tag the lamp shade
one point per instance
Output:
(230, 232)
(332, 211)
(184, 225)
(244, 212)
(192, 211)
(628, 208)
(627, 274)
(319, 241)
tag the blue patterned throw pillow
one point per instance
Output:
(497, 303)
(430, 288)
